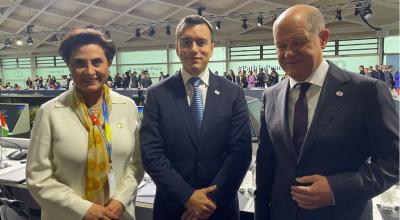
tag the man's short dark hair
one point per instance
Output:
(84, 36)
(192, 20)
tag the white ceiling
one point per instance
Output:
(123, 16)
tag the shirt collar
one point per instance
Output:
(204, 76)
(316, 78)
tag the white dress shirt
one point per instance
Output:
(316, 79)
(204, 76)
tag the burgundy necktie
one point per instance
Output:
(300, 118)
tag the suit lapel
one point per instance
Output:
(333, 94)
(183, 106)
(283, 124)
(211, 100)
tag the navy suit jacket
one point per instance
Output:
(353, 140)
(178, 162)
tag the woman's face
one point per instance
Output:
(89, 68)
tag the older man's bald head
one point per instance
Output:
(302, 13)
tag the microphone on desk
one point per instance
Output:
(17, 154)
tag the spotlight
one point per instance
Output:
(151, 31)
(107, 34)
(90, 26)
(168, 30)
(137, 32)
(53, 38)
(200, 10)
(29, 41)
(19, 42)
(29, 29)
(244, 23)
(274, 17)
(7, 43)
(338, 15)
(218, 25)
(367, 12)
(259, 20)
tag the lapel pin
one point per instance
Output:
(216, 92)
(339, 93)
(119, 125)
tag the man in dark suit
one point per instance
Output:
(329, 139)
(196, 157)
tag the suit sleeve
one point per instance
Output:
(265, 169)
(232, 172)
(382, 132)
(155, 162)
(52, 195)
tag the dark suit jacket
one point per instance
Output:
(345, 132)
(178, 162)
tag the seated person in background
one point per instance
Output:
(84, 158)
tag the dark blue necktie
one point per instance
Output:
(196, 106)
(300, 118)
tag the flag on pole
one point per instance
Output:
(4, 127)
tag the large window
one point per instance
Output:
(143, 57)
(12, 63)
(392, 44)
(246, 52)
(357, 47)
(50, 61)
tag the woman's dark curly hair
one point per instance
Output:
(84, 36)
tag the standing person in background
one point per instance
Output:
(396, 77)
(145, 80)
(161, 77)
(199, 171)
(243, 80)
(84, 156)
(117, 81)
(388, 76)
(274, 77)
(319, 114)
(126, 80)
(252, 80)
(134, 81)
(29, 83)
(361, 69)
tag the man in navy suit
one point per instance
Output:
(329, 139)
(195, 134)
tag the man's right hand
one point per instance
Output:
(199, 205)
(97, 212)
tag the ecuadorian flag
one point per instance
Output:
(4, 126)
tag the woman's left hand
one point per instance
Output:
(115, 207)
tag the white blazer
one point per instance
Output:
(56, 165)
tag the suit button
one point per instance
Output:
(199, 164)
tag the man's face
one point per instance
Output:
(299, 51)
(194, 48)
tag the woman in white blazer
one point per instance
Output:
(84, 159)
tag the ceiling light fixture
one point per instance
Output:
(107, 34)
(259, 21)
(19, 42)
(339, 15)
(200, 10)
(168, 30)
(7, 43)
(244, 23)
(152, 31)
(137, 32)
(218, 25)
(29, 41)
(53, 38)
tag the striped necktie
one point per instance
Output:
(196, 106)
